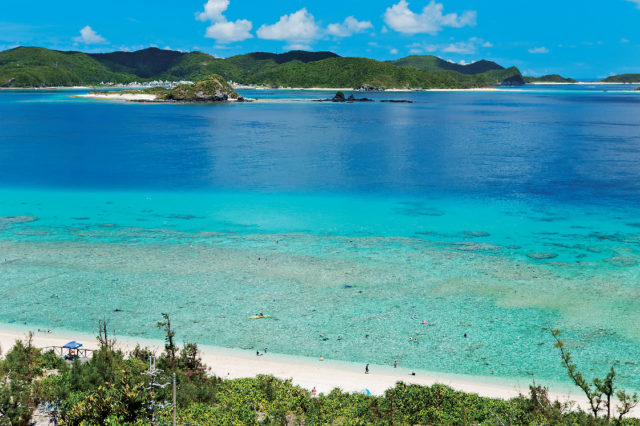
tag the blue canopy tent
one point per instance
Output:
(73, 345)
(72, 349)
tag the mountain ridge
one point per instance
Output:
(40, 67)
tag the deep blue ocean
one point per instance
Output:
(498, 215)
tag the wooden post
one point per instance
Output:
(174, 399)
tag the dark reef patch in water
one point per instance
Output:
(416, 209)
(622, 261)
(184, 216)
(14, 220)
(542, 256)
(419, 212)
(477, 234)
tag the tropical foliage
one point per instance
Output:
(111, 389)
(38, 67)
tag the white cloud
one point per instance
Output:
(430, 21)
(298, 46)
(637, 2)
(89, 36)
(394, 51)
(624, 40)
(349, 27)
(539, 50)
(227, 32)
(460, 47)
(222, 30)
(299, 27)
(213, 11)
(487, 44)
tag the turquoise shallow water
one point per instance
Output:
(336, 222)
(376, 267)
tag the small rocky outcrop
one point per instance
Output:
(210, 89)
(340, 97)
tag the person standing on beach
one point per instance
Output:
(395, 364)
(366, 369)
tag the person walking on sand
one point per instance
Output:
(366, 369)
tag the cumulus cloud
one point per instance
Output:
(222, 30)
(460, 47)
(430, 21)
(539, 50)
(394, 51)
(227, 32)
(89, 36)
(299, 27)
(298, 46)
(470, 46)
(349, 27)
(213, 11)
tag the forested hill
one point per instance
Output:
(39, 67)
(551, 78)
(433, 63)
(623, 78)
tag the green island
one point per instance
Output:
(551, 78)
(39, 67)
(212, 88)
(623, 78)
(114, 388)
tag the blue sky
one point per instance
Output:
(582, 39)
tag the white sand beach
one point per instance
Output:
(120, 96)
(324, 375)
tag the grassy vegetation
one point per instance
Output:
(36, 67)
(623, 78)
(551, 78)
(111, 389)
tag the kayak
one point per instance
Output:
(259, 317)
